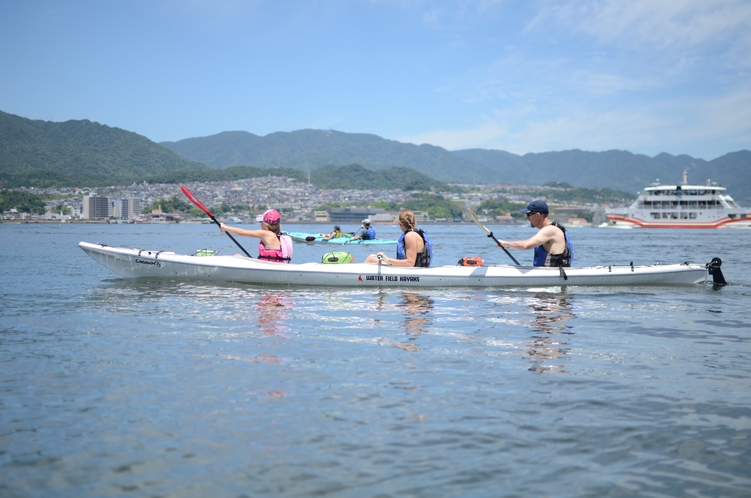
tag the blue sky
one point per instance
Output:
(523, 76)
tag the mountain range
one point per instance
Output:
(41, 153)
(615, 169)
(79, 153)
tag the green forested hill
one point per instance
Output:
(615, 169)
(43, 153)
(313, 149)
(620, 170)
(358, 178)
(352, 176)
(735, 171)
(82, 153)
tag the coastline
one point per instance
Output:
(314, 223)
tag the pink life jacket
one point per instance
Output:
(281, 255)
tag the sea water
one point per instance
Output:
(117, 387)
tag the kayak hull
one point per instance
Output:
(137, 263)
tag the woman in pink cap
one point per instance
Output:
(274, 245)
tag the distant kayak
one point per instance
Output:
(347, 239)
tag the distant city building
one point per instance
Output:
(382, 218)
(352, 215)
(321, 216)
(96, 208)
(421, 216)
(127, 208)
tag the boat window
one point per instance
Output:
(655, 216)
(732, 216)
(692, 216)
(684, 216)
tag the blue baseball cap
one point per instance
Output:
(536, 206)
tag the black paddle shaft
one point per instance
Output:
(490, 234)
(231, 237)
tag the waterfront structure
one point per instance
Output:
(95, 207)
(352, 215)
(127, 208)
(681, 206)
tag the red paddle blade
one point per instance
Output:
(195, 201)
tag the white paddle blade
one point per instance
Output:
(478, 221)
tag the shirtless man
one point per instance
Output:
(552, 244)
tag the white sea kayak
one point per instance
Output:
(139, 263)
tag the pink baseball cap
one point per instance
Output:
(271, 217)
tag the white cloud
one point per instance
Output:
(538, 79)
(489, 132)
(585, 130)
(453, 12)
(701, 127)
(725, 115)
(660, 24)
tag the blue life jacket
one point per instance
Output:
(542, 258)
(371, 234)
(425, 257)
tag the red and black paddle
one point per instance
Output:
(199, 205)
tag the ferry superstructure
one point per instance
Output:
(681, 206)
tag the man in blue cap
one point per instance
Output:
(365, 232)
(552, 244)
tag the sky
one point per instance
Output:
(521, 76)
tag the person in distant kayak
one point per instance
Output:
(274, 245)
(413, 247)
(335, 234)
(366, 232)
(552, 244)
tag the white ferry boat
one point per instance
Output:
(681, 206)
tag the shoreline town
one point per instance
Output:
(297, 201)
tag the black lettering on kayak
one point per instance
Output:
(409, 279)
(146, 262)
